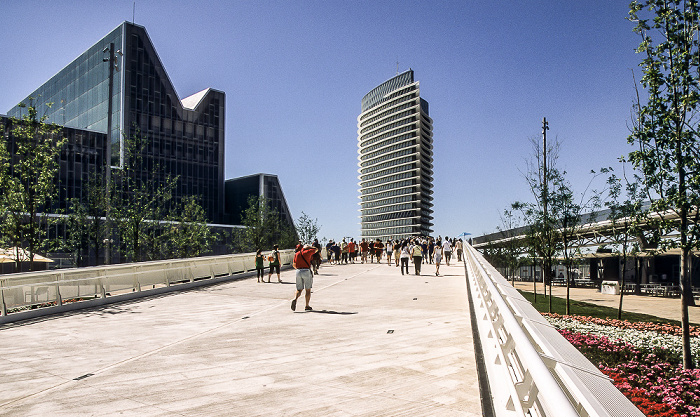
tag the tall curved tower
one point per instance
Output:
(395, 147)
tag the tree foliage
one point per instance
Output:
(264, 227)
(28, 179)
(141, 199)
(625, 202)
(187, 234)
(307, 228)
(665, 129)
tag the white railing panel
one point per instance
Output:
(532, 369)
(24, 290)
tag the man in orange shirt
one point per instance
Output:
(351, 250)
(304, 276)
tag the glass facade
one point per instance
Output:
(77, 95)
(183, 141)
(238, 190)
(395, 160)
(81, 158)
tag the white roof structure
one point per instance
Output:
(193, 101)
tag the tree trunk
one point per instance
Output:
(686, 294)
(621, 281)
(534, 280)
(568, 286)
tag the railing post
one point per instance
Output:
(167, 274)
(59, 278)
(3, 306)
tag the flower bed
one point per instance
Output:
(644, 369)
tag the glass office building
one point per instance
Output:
(184, 138)
(239, 190)
(395, 146)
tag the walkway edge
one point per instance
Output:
(484, 389)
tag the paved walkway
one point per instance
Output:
(377, 344)
(668, 308)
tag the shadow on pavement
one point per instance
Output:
(344, 313)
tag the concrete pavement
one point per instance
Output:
(377, 344)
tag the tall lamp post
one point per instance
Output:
(112, 60)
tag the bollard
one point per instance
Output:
(3, 306)
(59, 300)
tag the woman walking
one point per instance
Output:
(438, 258)
(389, 251)
(260, 265)
(405, 256)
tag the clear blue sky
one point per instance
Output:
(294, 73)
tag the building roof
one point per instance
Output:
(193, 101)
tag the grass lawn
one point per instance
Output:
(587, 309)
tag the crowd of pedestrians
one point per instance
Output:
(399, 253)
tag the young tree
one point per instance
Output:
(665, 129)
(140, 200)
(307, 228)
(624, 227)
(262, 224)
(510, 248)
(543, 231)
(28, 180)
(188, 234)
(77, 234)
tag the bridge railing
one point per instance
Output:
(29, 290)
(532, 370)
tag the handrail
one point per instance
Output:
(26, 290)
(532, 370)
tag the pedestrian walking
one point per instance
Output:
(316, 259)
(405, 256)
(389, 251)
(447, 250)
(344, 249)
(438, 257)
(336, 252)
(417, 254)
(304, 276)
(364, 249)
(275, 263)
(329, 252)
(352, 250)
(378, 250)
(459, 245)
(260, 265)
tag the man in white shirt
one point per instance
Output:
(447, 250)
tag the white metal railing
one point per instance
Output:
(532, 370)
(47, 288)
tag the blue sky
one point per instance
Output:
(294, 74)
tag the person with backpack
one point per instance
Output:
(275, 263)
(304, 276)
(260, 265)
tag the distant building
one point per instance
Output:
(239, 190)
(83, 155)
(185, 138)
(395, 146)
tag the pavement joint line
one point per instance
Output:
(151, 352)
